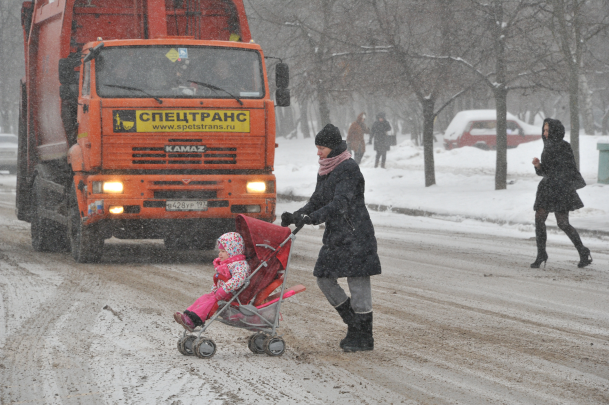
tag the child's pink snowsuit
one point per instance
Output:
(230, 275)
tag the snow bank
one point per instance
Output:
(465, 180)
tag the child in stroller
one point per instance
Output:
(231, 271)
(256, 304)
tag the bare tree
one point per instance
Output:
(508, 55)
(412, 28)
(313, 37)
(574, 23)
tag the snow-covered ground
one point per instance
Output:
(465, 177)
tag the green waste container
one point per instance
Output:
(603, 162)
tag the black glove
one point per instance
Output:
(302, 219)
(287, 218)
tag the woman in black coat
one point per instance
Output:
(556, 191)
(381, 140)
(349, 244)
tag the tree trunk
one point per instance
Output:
(304, 119)
(500, 94)
(5, 125)
(428, 118)
(289, 127)
(279, 123)
(501, 164)
(586, 95)
(320, 50)
(605, 124)
(322, 99)
(574, 110)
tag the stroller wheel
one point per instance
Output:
(256, 343)
(274, 346)
(204, 348)
(185, 345)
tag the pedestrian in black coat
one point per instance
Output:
(349, 245)
(556, 191)
(381, 140)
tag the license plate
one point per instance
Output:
(186, 206)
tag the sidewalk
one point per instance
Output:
(464, 183)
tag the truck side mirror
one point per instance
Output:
(282, 76)
(282, 97)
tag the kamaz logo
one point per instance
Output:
(185, 148)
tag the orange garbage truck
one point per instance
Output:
(143, 119)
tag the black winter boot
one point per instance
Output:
(363, 339)
(346, 312)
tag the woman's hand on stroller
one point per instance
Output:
(287, 219)
(302, 219)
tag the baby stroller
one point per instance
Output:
(268, 252)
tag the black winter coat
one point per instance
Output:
(556, 191)
(379, 133)
(349, 244)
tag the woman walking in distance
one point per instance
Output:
(556, 191)
(349, 244)
(355, 137)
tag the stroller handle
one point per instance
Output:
(297, 229)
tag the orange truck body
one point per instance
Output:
(184, 163)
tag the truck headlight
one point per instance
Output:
(256, 187)
(110, 187)
(116, 209)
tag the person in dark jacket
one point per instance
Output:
(381, 140)
(556, 191)
(349, 245)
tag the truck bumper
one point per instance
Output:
(155, 204)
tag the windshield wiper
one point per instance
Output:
(211, 86)
(134, 89)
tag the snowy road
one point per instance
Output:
(459, 318)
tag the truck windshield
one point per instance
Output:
(173, 72)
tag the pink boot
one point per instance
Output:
(185, 321)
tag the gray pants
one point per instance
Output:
(359, 287)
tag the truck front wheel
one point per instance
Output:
(86, 243)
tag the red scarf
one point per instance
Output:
(222, 271)
(328, 164)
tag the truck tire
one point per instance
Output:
(86, 243)
(47, 236)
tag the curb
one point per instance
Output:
(422, 213)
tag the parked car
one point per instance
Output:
(479, 128)
(8, 152)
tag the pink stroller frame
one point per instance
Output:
(267, 251)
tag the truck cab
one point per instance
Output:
(161, 137)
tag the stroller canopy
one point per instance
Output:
(257, 232)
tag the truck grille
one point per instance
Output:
(181, 183)
(157, 156)
(185, 194)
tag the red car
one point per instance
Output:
(479, 128)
